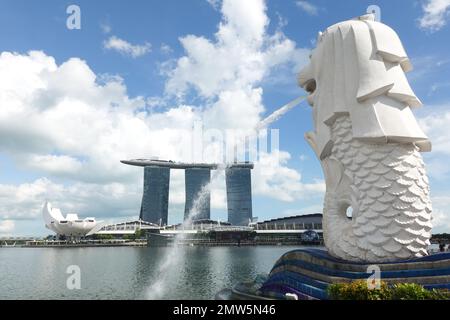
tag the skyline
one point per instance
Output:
(129, 81)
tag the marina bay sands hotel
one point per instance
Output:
(155, 198)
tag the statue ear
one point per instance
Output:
(371, 70)
(388, 45)
(382, 63)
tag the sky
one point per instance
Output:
(137, 76)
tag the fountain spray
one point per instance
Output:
(174, 257)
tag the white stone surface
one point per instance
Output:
(369, 143)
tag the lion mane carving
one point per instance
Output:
(368, 142)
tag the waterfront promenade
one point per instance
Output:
(37, 243)
(67, 244)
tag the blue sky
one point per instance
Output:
(130, 55)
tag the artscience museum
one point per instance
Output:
(70, 225)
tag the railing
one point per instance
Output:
(105, 242)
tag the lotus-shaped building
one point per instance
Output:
(70, 225)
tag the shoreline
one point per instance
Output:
(91, 244)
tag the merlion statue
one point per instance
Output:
(369, 143)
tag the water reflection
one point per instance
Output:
(128, 273)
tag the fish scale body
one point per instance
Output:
(387, 188)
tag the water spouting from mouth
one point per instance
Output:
(277, 114)
(173, 259)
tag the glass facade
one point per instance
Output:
(239, 195)
(195, 180)
(155, 198)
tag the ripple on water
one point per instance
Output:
(126, 273)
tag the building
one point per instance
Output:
(155, 197)
(195, 181)
(121, 229)
(239, 195)
(201, 232)
(298, 222)
(69, 226)
(294, 229)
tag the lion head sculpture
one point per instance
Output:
(368, 142)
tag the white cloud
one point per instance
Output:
(282, 21)
(441, 214)
(72, 126)
(105, 27)
(165, 48)
(436, 13)
(437, 126)
(156, 101)
(6, 226)
(25, 201)
(308, 7)
(126, 48)
(214, 3)
(239, 57)
(64, 123)
(274, 179)
(54, 164)
(439, 86)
